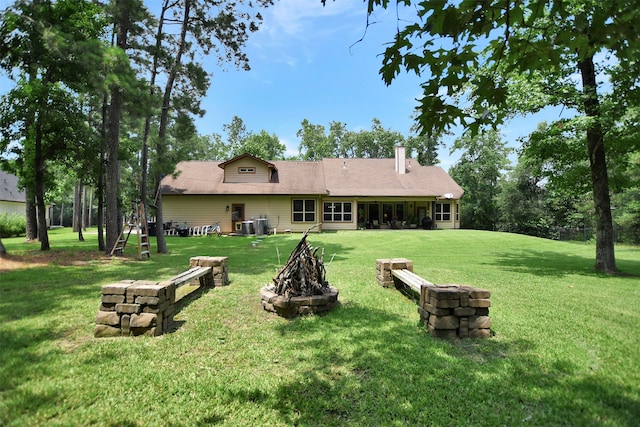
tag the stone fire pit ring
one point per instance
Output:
(290, 307)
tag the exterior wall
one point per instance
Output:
(12, 208)
(205, 210)
(454, 221)
(342, 225)
(231, 173)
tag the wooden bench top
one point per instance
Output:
(411, 279)
(190, 275)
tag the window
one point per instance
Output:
(443, 212)
(336, 212)
(246, 170)
(387, 212)
(304, 210)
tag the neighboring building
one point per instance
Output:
(332, 194)
(12, 200)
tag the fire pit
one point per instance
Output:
(300, 287)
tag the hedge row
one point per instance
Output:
(12, 225)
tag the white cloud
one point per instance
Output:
(292, 29)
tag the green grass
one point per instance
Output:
(565, 349)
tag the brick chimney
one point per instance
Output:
(401, 159)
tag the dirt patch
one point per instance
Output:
(44, 258)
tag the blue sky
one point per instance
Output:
(308, 63)
(317, 63)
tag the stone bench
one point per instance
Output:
(447, 311)
(144, 307)
(410, 279)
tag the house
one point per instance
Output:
(12, 200)
(331, 194)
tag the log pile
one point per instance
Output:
(303, 274)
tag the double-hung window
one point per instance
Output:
(443, 212)
(337, 212)
(304, 210)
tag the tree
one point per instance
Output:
(521, 203)
(237, 133)
(53, 51)
(478, 172)
(627, 213)
(205, 25)
(264, 145)
(475, 55)
(314, 143)
(425, 146)
(377, 143)
(123, 10)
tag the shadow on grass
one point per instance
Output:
(183, 303)
(555, 264)
(372, 377)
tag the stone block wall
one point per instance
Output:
(219, 268)
(384, 267)
(135, 307)
(447, 311)
(143, 307)
(450, 311)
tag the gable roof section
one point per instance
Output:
(332, 177)
(247, 155)
(206, 177)
(378, 177)
(9, 191)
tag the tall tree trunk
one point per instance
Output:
(89, 210)
(100, 190)
(3, 250)
(605, 255)
(147, 123)
(164, 120)
(122, 8)
(31, 214)
(78, 210)
(39, 168)
(76, 206)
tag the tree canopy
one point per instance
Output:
(484, 61)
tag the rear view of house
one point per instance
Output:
(331, 194)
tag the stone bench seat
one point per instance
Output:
(146, 307)
(205, 274)
(446, 310)
(411, 279)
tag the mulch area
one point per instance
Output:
(33, 259)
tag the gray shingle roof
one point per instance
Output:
(9, 191)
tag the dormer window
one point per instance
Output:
(245, 169)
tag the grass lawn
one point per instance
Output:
(565, 349)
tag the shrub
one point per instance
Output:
(12, 225)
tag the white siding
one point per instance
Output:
(12, 208)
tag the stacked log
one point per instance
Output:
(301, 287)
(303, 274)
